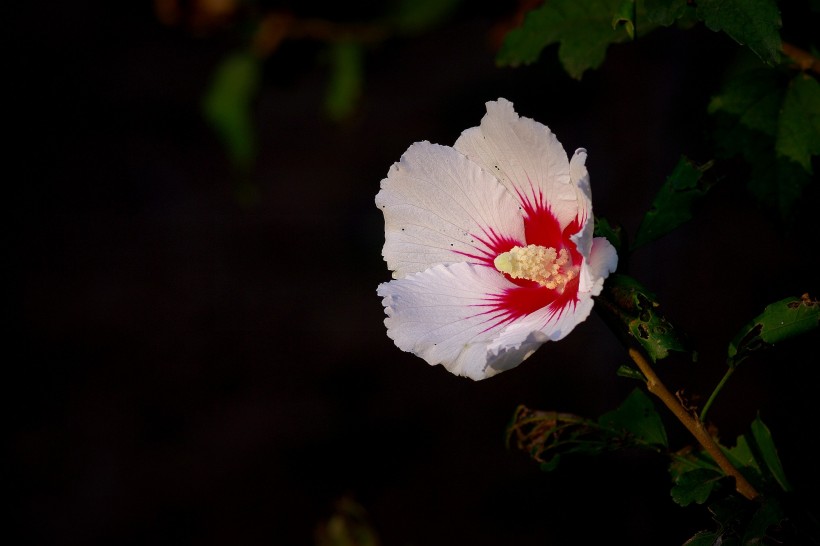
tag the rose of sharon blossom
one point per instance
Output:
(490, 243)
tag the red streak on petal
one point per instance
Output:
(541, 227)
(495, 244)
(516, 303)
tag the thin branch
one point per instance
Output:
(693, 424)
(715, 392)
(805, 60)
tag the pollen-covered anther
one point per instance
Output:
(538, 263)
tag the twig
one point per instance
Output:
(693, 424)
(805, 60)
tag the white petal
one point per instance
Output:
(546, 324)
(440, 207)
(603, 260)
(446, 316)
(525, 156)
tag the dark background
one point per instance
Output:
(195, 368)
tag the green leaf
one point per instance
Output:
(754, 96)
(742, 456)
(625, 15)
(674, 202)
(764, 445)
(689, 460)
(630, 373)
(703, 538)
(798, 128)
(582, 27)
(754, 23)
(227, 105)
(345, 86)
(695, 486)
(633, 311)
(769, 514)
(664, 12)
(613, 234)
(778, 182)
(754, 121)
(637, 416)
(779, 321)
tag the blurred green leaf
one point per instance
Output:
(769, 514)
(798, 128)
(695, 486)
(664, 12)
(227, 105)
(754, 23)
(348, 526)
(779, 182)
(582, 27)
(703, 538)
(629, 306)
(637, 416)
(674, 202)
(412, 16)
(346, 75)
(779, 321)
(754, 121)
(754, 96)
(774, 181)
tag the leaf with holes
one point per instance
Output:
(633, 311)
(779, 321)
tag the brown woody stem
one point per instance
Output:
(805, 60)
(693, 424)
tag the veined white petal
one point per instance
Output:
(440, 207)
(446, 315)
(603, 260)
(547, 324)
(526, 157)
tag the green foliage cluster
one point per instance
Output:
(767, 113)
(771, 119)
(548, 436)
(586, 28)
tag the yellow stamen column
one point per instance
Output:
(538, 263)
